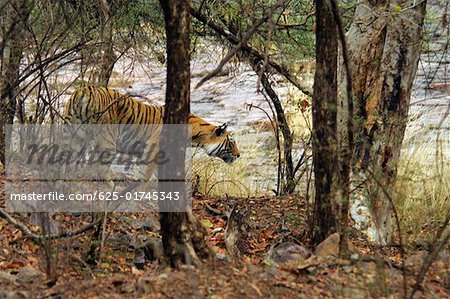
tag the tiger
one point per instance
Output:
(100, 105)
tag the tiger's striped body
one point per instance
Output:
(98, 105)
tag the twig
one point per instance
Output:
(245, 38)
(397, 223)
(432, 255)
(275, 129)
(22, 227)
(266, 52)
(80, 260)
(297, 25)
(248, 49)
(39, 238)
(236, 183)
(282, 124)
(103, 238)
(79, 231)
(213, 210)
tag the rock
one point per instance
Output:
(144, 286)
(150, 246)
(14, 294)
(139, 241)
(330, 246)
(445, 257)
(441, 263)
(28, 275)
(273, 271)
(237, 233)
(288, 252)
(152, 224)
(368, 267)
(153, 249)
(6, 278)
(139, 259)
(414, 262)
(119, 241)
(312, 262)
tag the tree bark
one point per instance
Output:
(14, 19)
(324, 106)
(384, 46)
(107, 57)
(182, 234)
(289, 186)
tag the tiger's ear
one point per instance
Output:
(221, 129)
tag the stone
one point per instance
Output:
(139, 259)
(414, 262)
(153, 249)
(289, 252)
(152, 224)
(119, 241)
(330, 246)
(144, 286)
(14, 294)
(6, 277)
(29, 275)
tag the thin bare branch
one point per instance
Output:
(397, 223)
(22, 227)
(432, 255)
(245, 38)
(248, 49)
(39, 238)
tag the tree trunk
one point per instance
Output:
(182, 234)
(289, 186)
(13, 28)
(107, 57)
(384, 47)
(325, 123)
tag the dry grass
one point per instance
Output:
(252, 174)
(423, 189)
(255, 172)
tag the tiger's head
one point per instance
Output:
(215, 140)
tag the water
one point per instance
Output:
(429, 124)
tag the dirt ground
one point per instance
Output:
(127, 270)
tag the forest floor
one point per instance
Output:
(126, 269)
